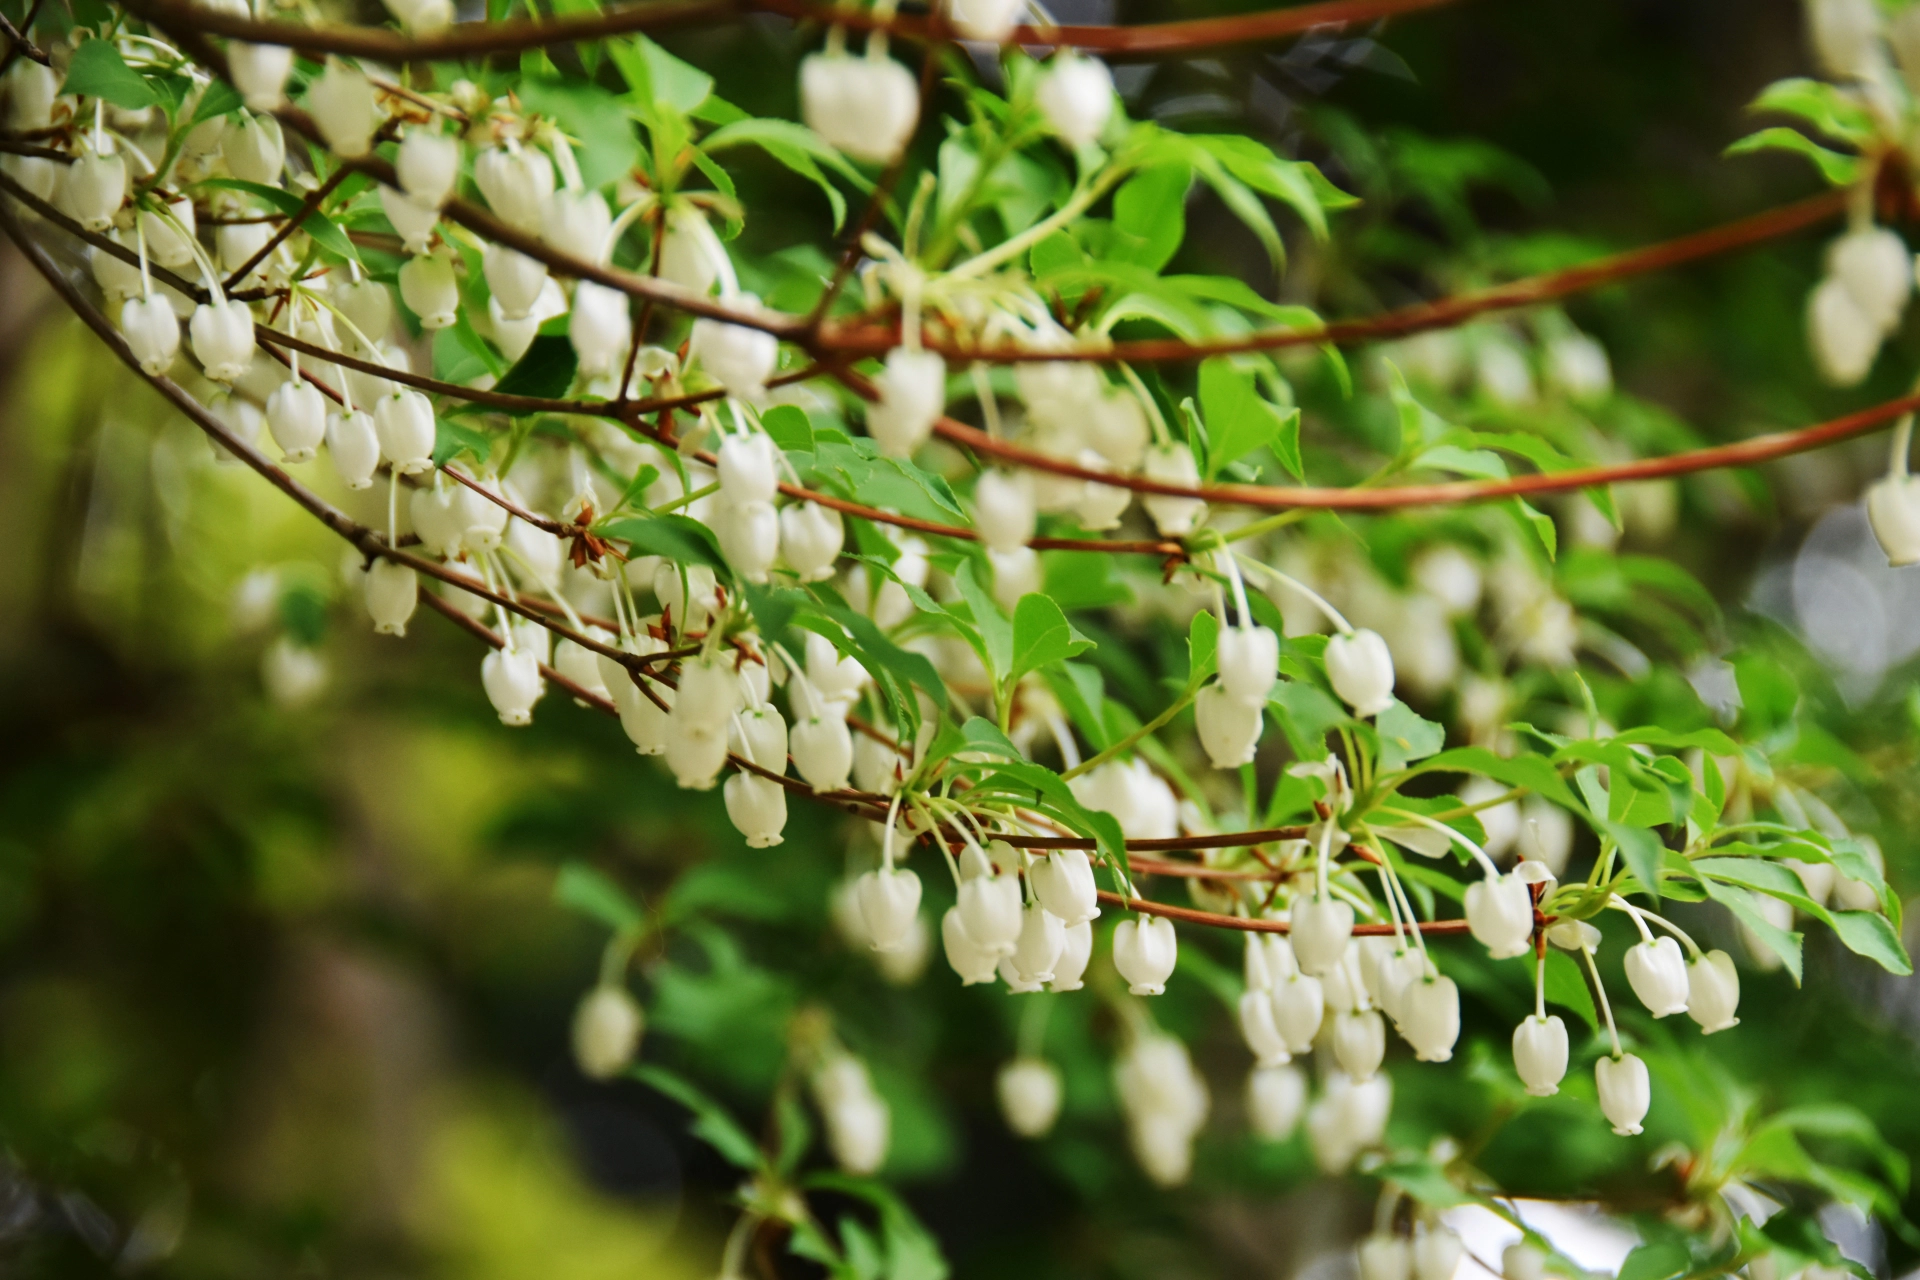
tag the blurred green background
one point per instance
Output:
(283, 988)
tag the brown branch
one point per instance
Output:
(308, 207)
(20, 44)
(34, 149)
(477, 39)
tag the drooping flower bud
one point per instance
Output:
(823, 751)
(990, 909)
(1713, 992)
(889, 900)
(1173, 464)
(691, 255)
(695, 751)
(513, 683)
(428, 165)
(1874, 265)
(260, 73)
(645, 723)
(222, 336)
(1074, 955)
(1259, 1030)
(297, 419)
(912, 387)
(1522, 1261)
(1249, 662)
(152, 331)
(1322, 928)
(858, 1121)
(1064, 882)
(1658, 972)
(749, 534)
(582, 665)
(1145, 951)
(757, 807)
(1003, 509)
(988, 20)
(96, 188)
(1625, 1092)
(428, 287)
(1359, 1042)
(31, 89)
(414, 222)
(866, 107)
(1437, 1252)
(170, 238)
(1384, 1257)
(368, 306)
(1429, 1017)
(342, 105)
(1893, 509)
(606, 1032)
(1540, 1054)
(255, 149)
(1361, 670)
(1500, 915)
(749, 468)
(811, 536)
(1075, 94)
(578, 222)
(973, 962)
(517, 184)
(1275, 1098)
(838, 679)
(1041, 942)
(1844, 338)
(1029, 1092)
(739, 358)
(404, 422)
(516, 280)
(1229, 728)
(393, 590)
(1299, 1006)
(355, 447)
(601, 329)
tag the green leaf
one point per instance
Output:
(1203, 638)
(606, 147)
(98, 71)
(1535, 773)
(1826, 107)
(711, 1123)
(1405, 736)
(994, 629)
(790, 428)
(219, 99)
(1642, 851)
(876, 652)
(1839, 170)
(546, 370)
(1042, 636)
(582, 888)
(1567, 987)
(451, 438)
(1539, 522)
(798, 148)
(1238, 420)
(1425, 1182)
(325, 231)
(1867, 933)
(1150, 216)
(1660, 1260)
(678, 538)
(976, 735)
(1781, 942)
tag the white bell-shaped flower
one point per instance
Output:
(1658, 973)
(1063, 880)
(823, 751)
(601, 328)
(695, 752)
(578, 222)
(1016, 575)
(692, 603)
(991, 911)
(152, 331)
(889, 900)
(749, 468)
(1276, 1096)
(1042, 941)
(428, 165)
(1145, 951)
(31, 89)
(404, 421)
(117, 279)
(811, 536)
(1003, 509)
(1249, 662)
(739, 358)
(1450, 576)
(1540, 1054)
(96, 188)
(838, 679)
(1429, 1017)
(749, 534)
(512, 680)
(515, 279)
(1075, 94)
(259, 72)
(606, 1032)
(1625, 1092)
(1359, 1042)
(1173, 464)
(222, 336)
(1299, 1007)
(422, 17)
(393, 590)
(255, 149)
(1844, 337)
(646, 724)
(1229, 728)
(912, 386)
(297, 420)
(414, 222)
(436, 514)
(973, 962)
(858, 1122)
(1522, 1261)
(355, 447)
(343, 108)
(170, 238)
(691, 255)
(482, 522)
(368, 306)
(1500, 915)
(1893, 509)
(1098, 506)
(757, 807)
(709, 692)
(1322, 928)
(1713, 991)
(988, 20)
(1384, 1257)
(1437, 1253)
(1074, 955)
(1877, 270)
(866, 107)
(1361, 669)
(1029, 1091)
(1258, 1029)
(517, 183)
(428, 287)
(582, 665)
